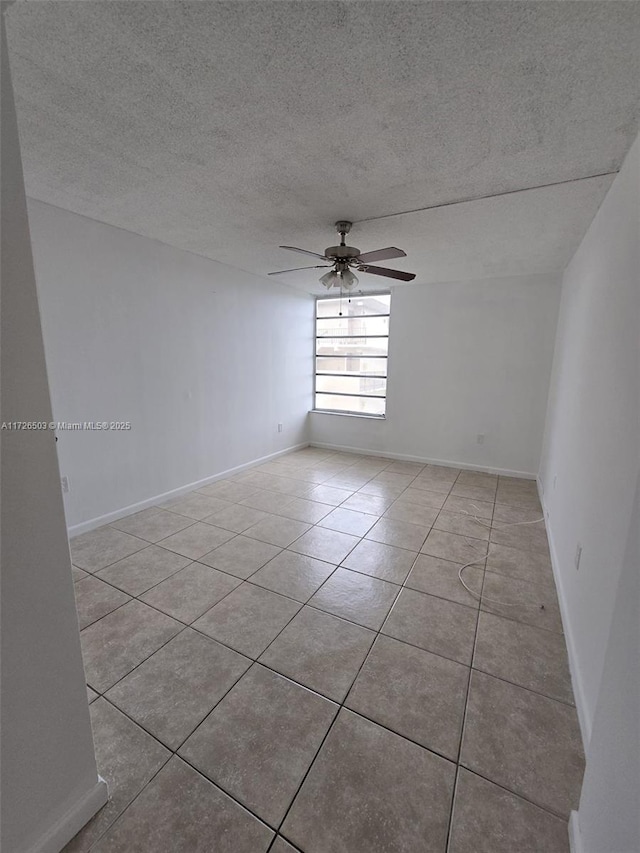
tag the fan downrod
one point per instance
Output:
(343, 227)
(342, 252)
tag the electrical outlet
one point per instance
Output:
(480, 438)
(64, 482)
(555, 480)
(279, 427)
(578, 556)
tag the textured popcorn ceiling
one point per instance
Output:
(228, 128)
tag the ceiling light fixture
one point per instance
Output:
(342, 258)
(329, 279)
(342, 278)
(348, 279)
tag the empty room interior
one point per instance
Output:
(320, 427)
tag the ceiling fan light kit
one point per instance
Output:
(343, 259)
(342, 278)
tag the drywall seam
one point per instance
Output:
(405, 457)
(576, 681)
(73, 819)
(92, 523)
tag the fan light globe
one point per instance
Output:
(348, 279)
(329, 279)
(339, 278)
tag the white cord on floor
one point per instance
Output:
(482, 523)
(461, 570)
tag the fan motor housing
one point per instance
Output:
(342, 252)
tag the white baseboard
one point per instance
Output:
(575, 839)
(72, 821)
(424, 460)
(92, 523)
(576, 681)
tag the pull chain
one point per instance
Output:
(341, 298)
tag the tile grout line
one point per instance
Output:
(466, 704)
(459, 761)
(255, 661)
(305, 603)
(546, 809)
(117, 607)
(189, 625)
(112, 525)
(138, 595)
(184, 625)
(132, 801)
(454, 795)
(342, 705)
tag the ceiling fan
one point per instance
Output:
(342, 259)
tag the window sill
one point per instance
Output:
(347, 414)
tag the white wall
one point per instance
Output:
(202, 359)
(592, 439)
(589, 473)
(50, 784)
(609, 816)
(464, 358)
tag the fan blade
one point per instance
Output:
(295, 269)
(382, 255)
(304, 252)
(401, 276)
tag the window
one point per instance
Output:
(352, 337)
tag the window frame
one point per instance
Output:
(317, 373)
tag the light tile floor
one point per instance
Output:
(286, 660)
